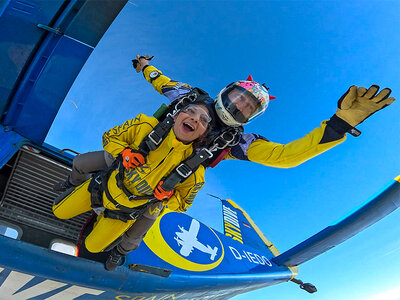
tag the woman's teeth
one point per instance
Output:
(187, 125)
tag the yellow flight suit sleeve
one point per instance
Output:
(158, 82)
(292, 154)
(128, 135)
(164, 85)
(186, 191)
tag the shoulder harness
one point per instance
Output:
(208, 156)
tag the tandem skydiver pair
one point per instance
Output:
(234, 106)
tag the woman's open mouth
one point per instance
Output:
(188, 127)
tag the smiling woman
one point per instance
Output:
(192, 123)
(134, 193)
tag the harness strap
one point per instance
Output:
(185, 169)
(98, 185)
(96, 192)
(156, 136)
(133, 214)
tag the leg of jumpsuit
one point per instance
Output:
(86, 163)
(134, 235)
(75, 203)
(105, 231)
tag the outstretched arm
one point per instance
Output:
(257, 149)
(356, 105)
(161, 83)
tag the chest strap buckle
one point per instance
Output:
(183, 170)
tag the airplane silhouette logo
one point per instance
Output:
(188, 240)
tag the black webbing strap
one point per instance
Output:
(132, 214)
(185, 169)
(96, 191)
(156, 136)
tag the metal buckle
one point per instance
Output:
(177, 106)
(171, 116)
(185, 172)
(208, 152)
(131, 197)
(230, 140)
(134, 215)
(97, 179)
(226, 142)
(153, 139)
(216, 143)
(191, 97)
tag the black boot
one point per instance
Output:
(114, 259)
(62, 186)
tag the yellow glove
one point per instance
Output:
(136, 62)
(358, 103)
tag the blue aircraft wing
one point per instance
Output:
(44, 45)
(375, 209)
(217, 268)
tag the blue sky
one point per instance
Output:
(308, 53)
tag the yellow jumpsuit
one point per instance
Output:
(140, 181)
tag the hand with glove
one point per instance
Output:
(132, 158)
(141, 61)
(357, 104)
(161, 194)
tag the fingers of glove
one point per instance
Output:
(167, 195)
(160, 196)
(346, 101)
(146, 57)
(137, 159)
(127, 164)
(384, 94)
(371, 92)
(361, 91)
(386, 102)
(160, 193)
(132, 159)
(126, 152)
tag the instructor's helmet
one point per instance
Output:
(241, 101)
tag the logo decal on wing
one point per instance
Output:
(185, 243)
(188, 240)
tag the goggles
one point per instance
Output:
(196, 110)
